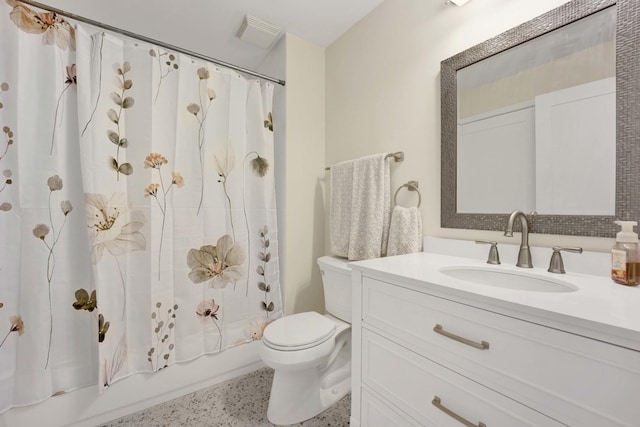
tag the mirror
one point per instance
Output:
(537, 124)
(542, 118)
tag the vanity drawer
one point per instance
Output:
(377, 413)
(412, 383)
(573, 379)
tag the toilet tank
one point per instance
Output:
(336, 280)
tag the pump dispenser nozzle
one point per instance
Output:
(626, 234)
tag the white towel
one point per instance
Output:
(405, 231)
(340, 216)
(360, 207)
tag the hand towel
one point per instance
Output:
(405, 231)
(340, 215)
(360, 207)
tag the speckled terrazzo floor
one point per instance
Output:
(240, 402)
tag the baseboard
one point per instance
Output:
(87, 408)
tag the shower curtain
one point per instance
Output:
(137, 207)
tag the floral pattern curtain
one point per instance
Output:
(137, 207)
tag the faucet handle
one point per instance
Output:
(494, 257)
(556, 265)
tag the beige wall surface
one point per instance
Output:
(383, 93)
(304, 169)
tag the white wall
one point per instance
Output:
(304, 170)
(383, 92)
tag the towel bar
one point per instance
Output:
(411, 186)
(397, 156)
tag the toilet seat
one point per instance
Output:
(298, 331)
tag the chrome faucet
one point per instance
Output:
(524, 256)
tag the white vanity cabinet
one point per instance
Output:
(427, 355)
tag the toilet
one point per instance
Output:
(310, 352)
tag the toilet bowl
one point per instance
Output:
(311, 353)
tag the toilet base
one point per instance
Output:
(300, 395)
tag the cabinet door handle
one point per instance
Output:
(438, 404)
(483, 345)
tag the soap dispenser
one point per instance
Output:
(625, 256)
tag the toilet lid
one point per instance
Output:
(298, 331)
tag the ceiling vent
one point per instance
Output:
(258, 32)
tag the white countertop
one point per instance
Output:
(599, 308)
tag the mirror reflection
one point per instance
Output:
(536, 124)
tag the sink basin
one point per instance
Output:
(510, 279)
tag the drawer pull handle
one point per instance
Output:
(438, 404)
(482, 345)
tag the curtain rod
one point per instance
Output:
(152, 41)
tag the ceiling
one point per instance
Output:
(209, 26)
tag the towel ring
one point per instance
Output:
(412, 186)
